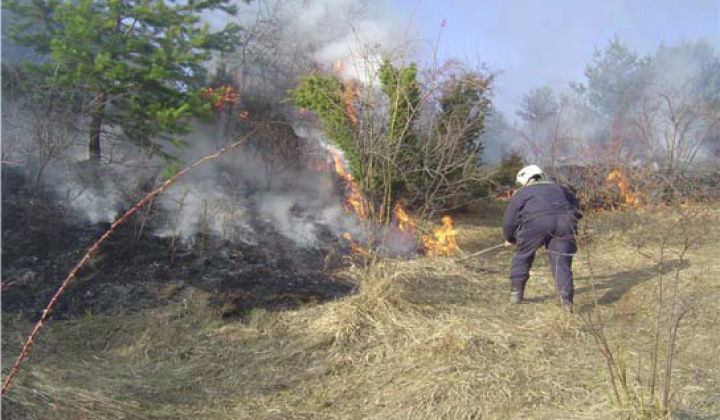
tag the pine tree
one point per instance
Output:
(324, 95)
(463, 105)
(137, 64)
(401, 86)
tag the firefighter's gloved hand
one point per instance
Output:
(508, 244)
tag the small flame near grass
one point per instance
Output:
(443, 241)
(616, 176)
(440, 242)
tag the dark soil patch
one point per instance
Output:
(135, 269)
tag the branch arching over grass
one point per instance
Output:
(96, 245)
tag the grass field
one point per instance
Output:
(427, 338)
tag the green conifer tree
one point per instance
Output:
(137, 64)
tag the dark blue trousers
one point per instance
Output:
(557, 234)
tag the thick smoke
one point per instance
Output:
(499, 138)
(345, 31)
(232, 197)
(285, 39)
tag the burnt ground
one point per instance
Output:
(135, 270)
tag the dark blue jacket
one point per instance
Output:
(536, 200)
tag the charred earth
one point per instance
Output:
(136, 269)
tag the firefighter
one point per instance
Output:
(541, 213)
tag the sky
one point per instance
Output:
(538, 43)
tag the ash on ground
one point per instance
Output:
(135, 269)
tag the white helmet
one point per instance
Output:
(527, 173)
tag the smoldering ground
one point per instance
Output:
(226, 229)
(250, 233)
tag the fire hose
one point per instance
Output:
(481, 252)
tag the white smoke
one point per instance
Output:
(354, 33)
(668, 122)
(200, 205)
(227, 197)
(499, 138)
(53, 154)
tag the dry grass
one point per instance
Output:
(422, 339)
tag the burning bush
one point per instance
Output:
(403, 144)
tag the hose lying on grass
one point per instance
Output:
(481, 252)
(96, 245)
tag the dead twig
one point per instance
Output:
(10, 283)
(96, 245)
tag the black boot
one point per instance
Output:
(516, 294)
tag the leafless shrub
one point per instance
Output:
(267, 60)
(450, 175)
(276, 146)
(663, 228)
(42, 126)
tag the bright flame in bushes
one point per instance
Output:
(617, 177)
(221, 96)
(441, 242)
(354, 200)
(404, 222)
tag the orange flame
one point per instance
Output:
(354, 200)
(626, 193)
(354, 246)
(349, 95)
(225, 95)
(443, 240)
(404, 222)
(338, 66)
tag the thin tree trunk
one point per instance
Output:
(96, 120)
